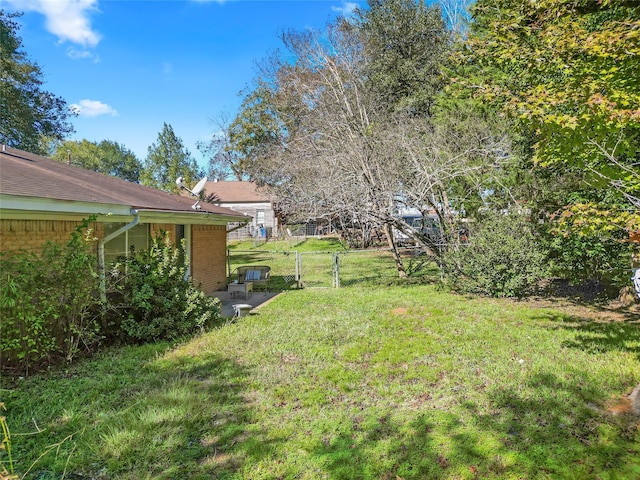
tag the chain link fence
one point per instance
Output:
(293, 269)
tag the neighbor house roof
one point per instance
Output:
(31, 182)
(227, 191)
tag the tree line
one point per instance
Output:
(518, 122)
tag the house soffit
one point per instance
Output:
(17, 207)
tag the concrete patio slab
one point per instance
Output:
(256, 299)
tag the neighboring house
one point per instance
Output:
(43, 200)
(246, 198)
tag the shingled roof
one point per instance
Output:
(227, 191)
(26, 175)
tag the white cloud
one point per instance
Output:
(79, 54)
(346, 9)
(92, 108)
(66, 19)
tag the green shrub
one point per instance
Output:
(154, 298)
(48, 302)
(504, 258)
(581, 258)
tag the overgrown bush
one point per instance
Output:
(155, 299)
(51, 310)
(48, 302)
(504, 258)
(582, 258)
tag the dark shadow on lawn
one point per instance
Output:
(347, 455)
(215, 435)
(553, 432)
(329, 243)
(258, 257)
(156, 416)
(599, 336)
(554, 436)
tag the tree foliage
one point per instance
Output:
(346, 149)
(406, 45)
(110, 158)
(167, 159)
(29, 113)
(224, 161)
(256, 128)
(567, 70)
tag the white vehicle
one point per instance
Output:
(428, 226)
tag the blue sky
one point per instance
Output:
(128, 66)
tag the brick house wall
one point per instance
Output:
(208, 244)
(209, 256)
(32, 235)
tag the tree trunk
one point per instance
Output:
(388, 231)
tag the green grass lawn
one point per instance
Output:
(357, 267)
(372, 383)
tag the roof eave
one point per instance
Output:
(13, 207)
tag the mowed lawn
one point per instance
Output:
(373, 383)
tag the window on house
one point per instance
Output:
(179, 234)
(132, 240)
(260, 217)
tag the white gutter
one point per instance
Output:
(111, 236)
(18, 206)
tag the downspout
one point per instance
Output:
(111, 236)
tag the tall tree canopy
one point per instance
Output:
(167, 159)
(406, 45)
(237, 144)
(568, 72)
(106, 157)
(30, 115)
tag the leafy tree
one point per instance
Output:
(256, 128)
(405, 44)
(29, 113)
(567, 70)
(105, 157)
(224, 161)
(167, 159)
(349, 156)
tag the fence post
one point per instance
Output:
(298, 270)
(336, 270)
